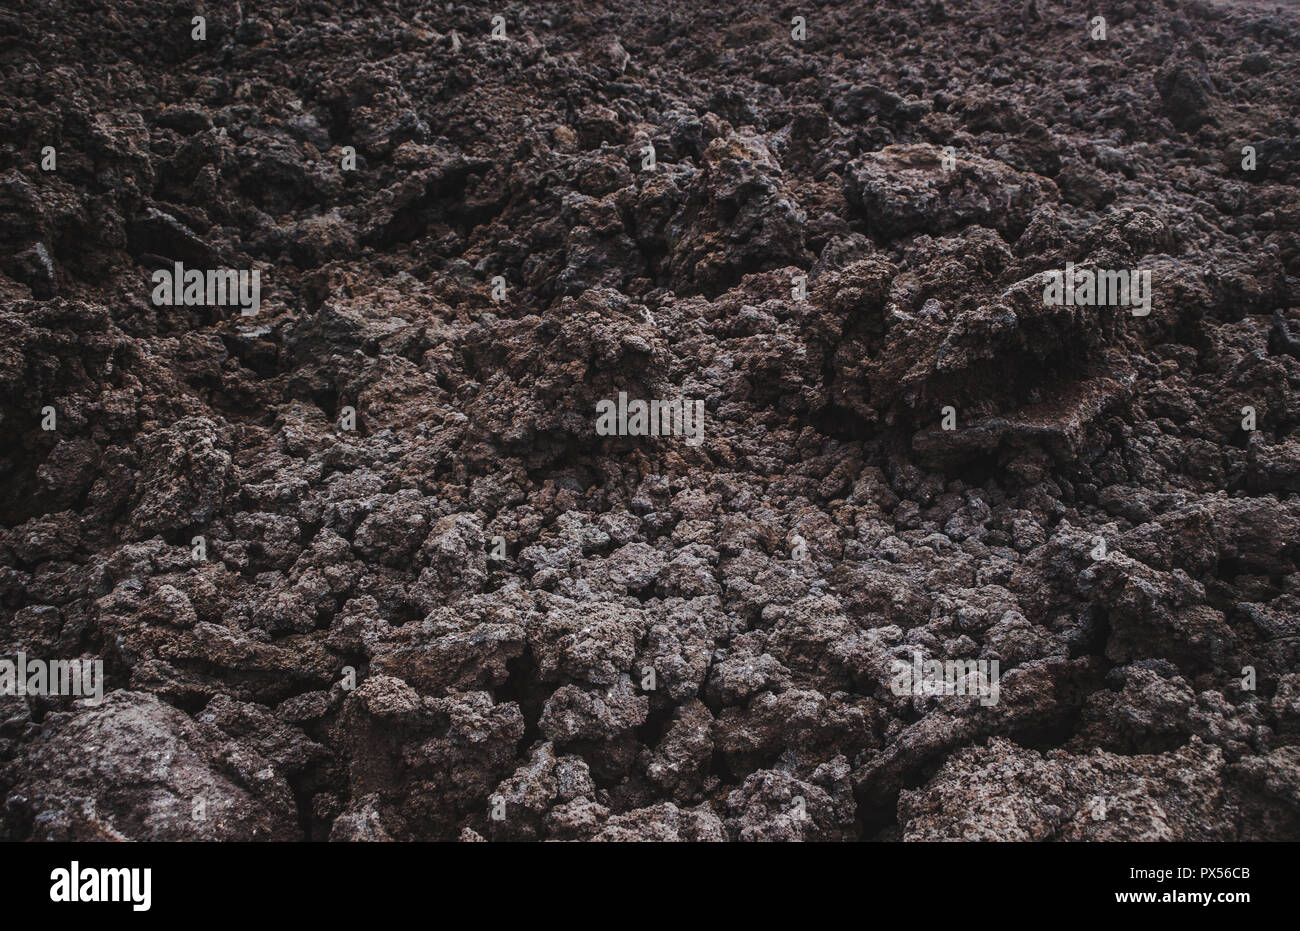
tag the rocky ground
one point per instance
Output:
(677, 641)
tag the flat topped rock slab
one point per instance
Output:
(1056, 425)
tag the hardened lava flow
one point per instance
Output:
(667, 420)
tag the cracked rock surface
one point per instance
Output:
(360, 566)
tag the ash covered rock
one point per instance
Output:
(909, 189)
(183, 779)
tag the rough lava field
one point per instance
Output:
(475, 617)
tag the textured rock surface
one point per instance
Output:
(472, 617)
